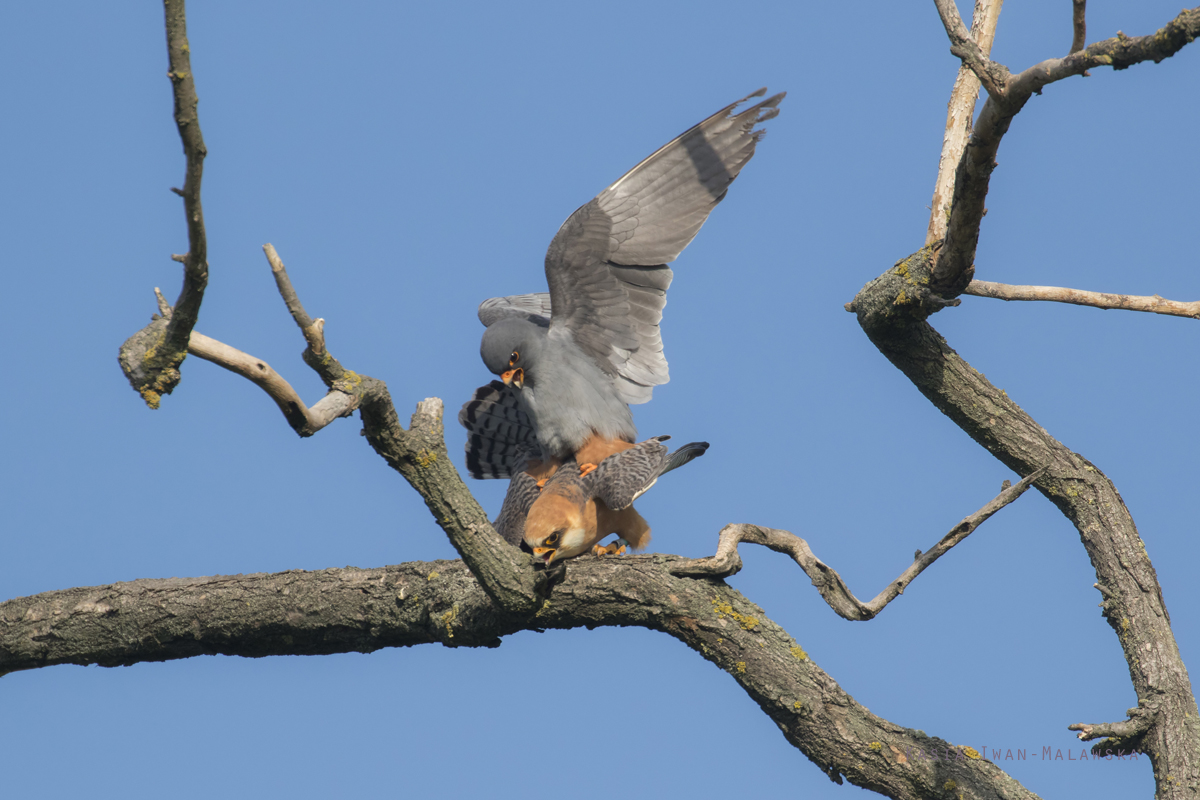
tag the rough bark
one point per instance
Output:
(892, 310)
(352, 610)
(151, 357)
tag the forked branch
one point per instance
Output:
(833, 589)
(960, 113)
(955, 264)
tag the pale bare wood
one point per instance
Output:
(1058, 294)
(959, 115)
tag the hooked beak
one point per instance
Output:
(513, 377)
(545, 553)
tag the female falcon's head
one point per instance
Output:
(510, 348)
(559, 525)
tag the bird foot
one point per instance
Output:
(542, 483)
(617, 548)
(586, 468)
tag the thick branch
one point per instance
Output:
(955, 264)
(151, 357)
(352, 610)
(960, 113)
(892, 310)
(1058, 294)
(829, 583)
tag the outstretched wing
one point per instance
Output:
(606, 265)
(500, 436)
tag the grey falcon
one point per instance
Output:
(573, 359)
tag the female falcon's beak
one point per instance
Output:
(513, 377)
(545, 553)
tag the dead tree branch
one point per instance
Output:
(955, 263)
(960, 113)
(892, 310)
(1057, 294)
(1079, 26)
(352, 610)
(151, 357)
(829, 583)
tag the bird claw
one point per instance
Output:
(542, 484)
(586, 469)
(617, 548)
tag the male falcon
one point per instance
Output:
(572, 360)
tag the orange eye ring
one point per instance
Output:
(514, 358)
(552, 539)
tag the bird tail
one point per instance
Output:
(689, 452)
(499, 433)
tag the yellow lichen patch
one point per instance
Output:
(949, 786)
(876, 746)
(425, 458)
(799, 653)
(448, 617)
(971, 752)
(723, 608)
(797, 705)
(545, 607)
(741, 667)
(431, 575)
(1125, 624)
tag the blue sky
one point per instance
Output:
(409, 161)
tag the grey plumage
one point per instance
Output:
(592, 345)
(510, 523)
(624, 477)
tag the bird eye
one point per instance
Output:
(552, 539)
(514, 358)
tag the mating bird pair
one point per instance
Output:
(571, 361)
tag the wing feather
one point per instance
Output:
(606, 266)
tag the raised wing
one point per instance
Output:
(606, 265)
(533, 307)
(500, 436)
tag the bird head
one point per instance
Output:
(510, 348)
(556, 528)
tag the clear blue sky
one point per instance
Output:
(411, 160)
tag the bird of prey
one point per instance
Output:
(579, 506)
(573, 359)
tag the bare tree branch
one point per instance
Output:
(955, 264)
(151, 357)
(1079, 25)
(352, 610)
(829, 583)
(1126, 735)
(960, 112)
(962, 44)
(892, 310)
(1057, 294)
